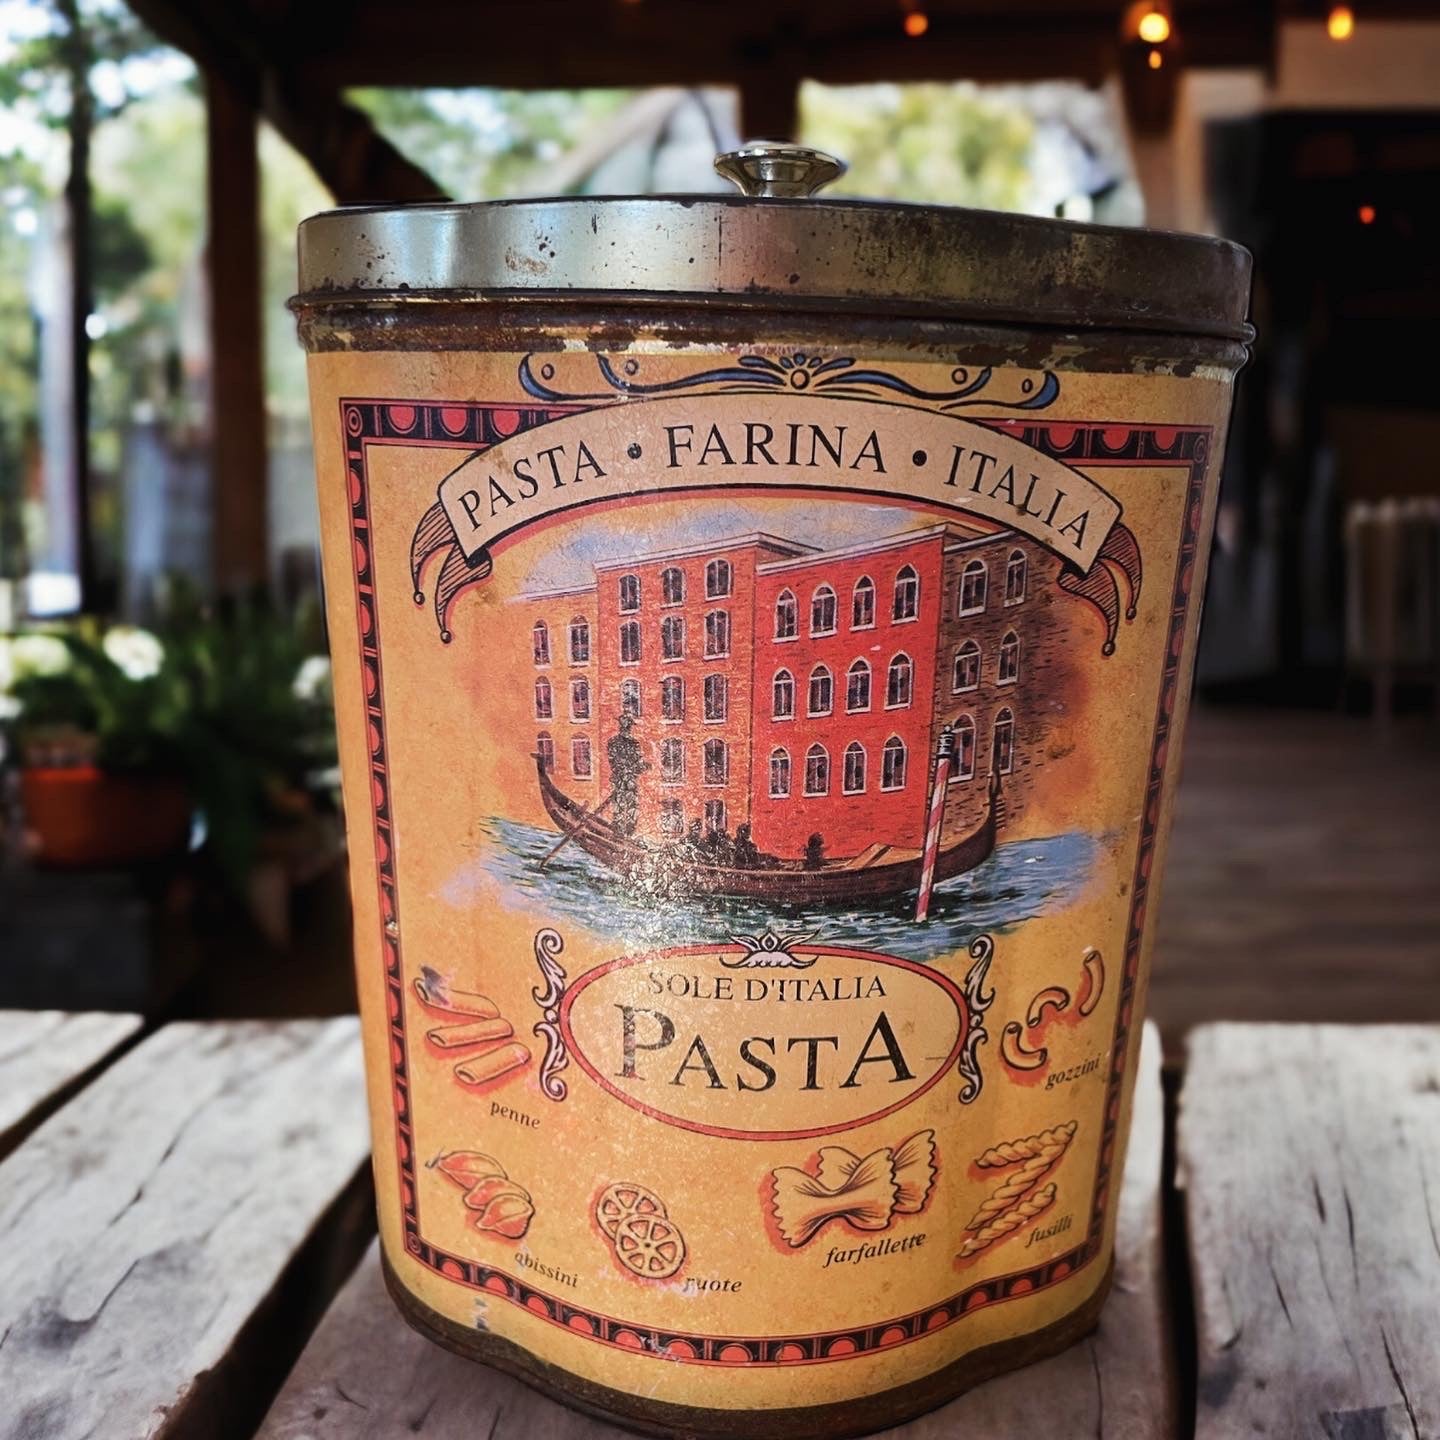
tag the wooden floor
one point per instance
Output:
(1304, 874)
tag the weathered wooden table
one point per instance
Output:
(179, 1212)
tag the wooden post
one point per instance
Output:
(238, 509)
(79, 214)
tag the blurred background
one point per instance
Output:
(161, 645)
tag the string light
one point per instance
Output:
(1367, 214)
(1340, 22)
(1156, 59)
(1154, 28)
(917, 22)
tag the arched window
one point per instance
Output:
(822, 611)
(717, 634)
(672, 698)
(630, 698)
(974, 580)
(630, 643)
(580, 760)
(717, 579)
(545, 750)
(962, 767)
(782, 696)
(629, 593)
(787, 620)
(854, 781)
(544, 700)
(672, 638)
(579, 699)
(579, 640)
(717, 697)
(540, 642)
(1005, 741)
(899, 682)
(1009, 669)
(857, 687)
(892, 764)
(817, 770)
(714, 817)
(672, 762)
(672, 819)
(862, 604)
(1015, 568)
(717, 762)
(672, 586)
(907, 594)
(967, 667)
(779, 774)
(822, 691)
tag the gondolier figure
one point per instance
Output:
(627, 765)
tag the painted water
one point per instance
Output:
(1018, 882)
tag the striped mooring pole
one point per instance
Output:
(944, 752)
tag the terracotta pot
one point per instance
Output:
(80, 817)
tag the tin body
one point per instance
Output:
(759, 713)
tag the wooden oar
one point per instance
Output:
(585, 817)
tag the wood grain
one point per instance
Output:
(45, 1052)
(145, 1224)
(367, 1376)
(1310, 1158)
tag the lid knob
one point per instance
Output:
(776, 168)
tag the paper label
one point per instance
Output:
(756, 767)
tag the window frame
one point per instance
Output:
(910, 580)
(714, 745)
(853, 749)
(793, 607)
(823, 593)
(975, 567)
(864, 585)
(908, 669)
(780, 756)
(894, 746)
(816, 672)
(719, 566)
(817, 752)
(628, 580)
(630, 630)
(718, 616)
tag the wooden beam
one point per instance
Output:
(353, 160)
(239, 508)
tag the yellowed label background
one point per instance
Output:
(829, 1232)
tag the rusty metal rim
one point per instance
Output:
(851, 255)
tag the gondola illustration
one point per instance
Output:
(877, 872)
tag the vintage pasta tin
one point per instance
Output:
(762, 633)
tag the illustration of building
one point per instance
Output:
(801, 692)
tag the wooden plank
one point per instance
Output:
(43, 1053)
(366, 1376)
(150, 1227)
(1310, 1158)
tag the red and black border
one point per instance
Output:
(475, 425)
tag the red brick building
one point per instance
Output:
(799, 691)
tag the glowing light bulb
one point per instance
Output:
(1366, 214)
(1156, 59)
(1154, 28)
(1340, 22)
(917, 22)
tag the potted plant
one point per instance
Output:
(96, 716)
(127, 741)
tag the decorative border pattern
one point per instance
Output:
(367, 422)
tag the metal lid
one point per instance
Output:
(771, 248)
